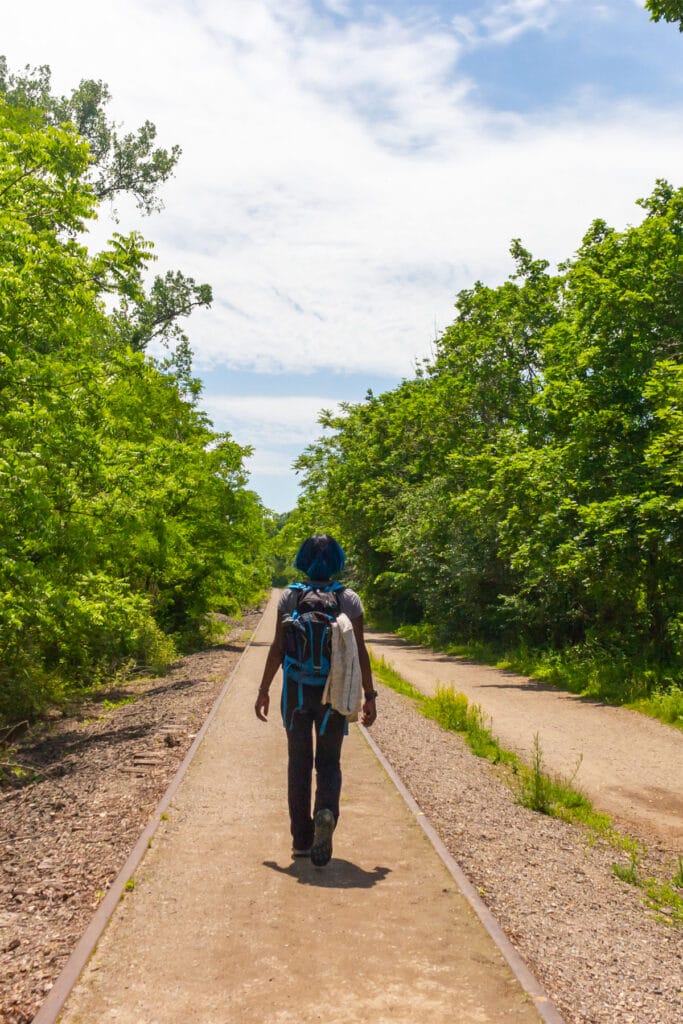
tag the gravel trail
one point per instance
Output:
(630, 766)
(588, 937)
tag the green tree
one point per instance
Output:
(119, 164)
(666, 10)
(124, 518)
(525, 487)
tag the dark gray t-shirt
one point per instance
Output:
(349, 601)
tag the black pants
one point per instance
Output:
(301, 723)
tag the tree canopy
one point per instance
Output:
(526, 485)
(666, 10)
(124, 517)
(117, 163)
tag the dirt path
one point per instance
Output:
(222, 926)
(631, 766)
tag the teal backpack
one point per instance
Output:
(308, 638)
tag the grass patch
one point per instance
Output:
(666, 705)
(452, 711)
(15, 772)
(534, 787)
(678, 877)
(663, 898)
(574, 807)
(112, 705)
(390, 677)
(428, 636)
(628, 873)
(558, 798)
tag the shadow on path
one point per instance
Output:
(530, 685)
(391, 641)
(338, 874)
(497, 678)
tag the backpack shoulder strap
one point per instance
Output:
(299, 589)
(328, 588)
(335, 589)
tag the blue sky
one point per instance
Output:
(348, 167)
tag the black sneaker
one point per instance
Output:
(321, 851)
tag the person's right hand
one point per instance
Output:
(262, 705)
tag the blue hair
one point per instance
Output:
(320, 557)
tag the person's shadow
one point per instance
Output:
(338, 874)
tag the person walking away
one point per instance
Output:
(304, 609)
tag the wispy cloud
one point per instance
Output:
(512, 18)
(341, 7)
(501, 22)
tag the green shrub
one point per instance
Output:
(628, 872)
(451, 710)
(677, 879)
(535, 788)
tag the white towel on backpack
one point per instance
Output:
(344, 688)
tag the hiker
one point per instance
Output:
(307, 704)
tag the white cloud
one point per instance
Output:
(280, 421)
(278, 428)
(501, 22)
(339, 183)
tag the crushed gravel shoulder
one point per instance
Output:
(603, 956)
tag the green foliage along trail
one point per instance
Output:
(124, 518)
(525, 490)
(666, 10)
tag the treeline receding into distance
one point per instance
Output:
(124, 517)
(525, 490)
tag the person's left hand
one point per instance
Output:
(262, 705)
